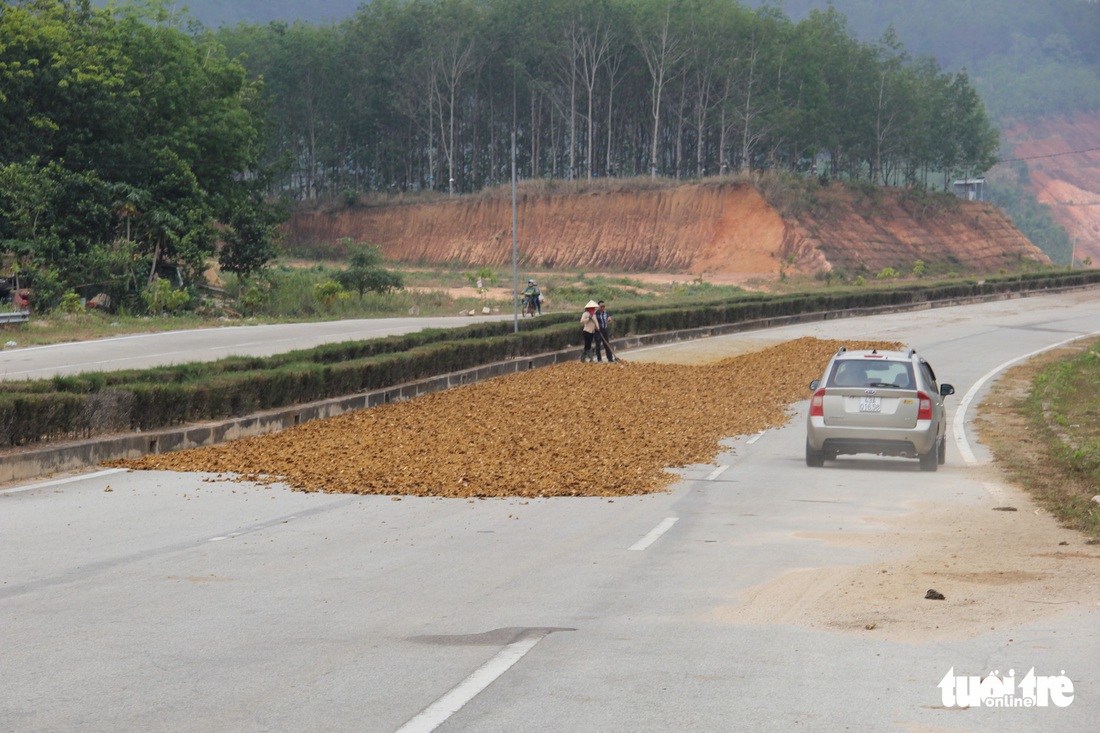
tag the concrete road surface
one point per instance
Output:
(139, 351)
(175, 602)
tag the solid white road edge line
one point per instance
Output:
(437, 713)
(958, 426)
(58, 482)
(756, 437)
(654, 534)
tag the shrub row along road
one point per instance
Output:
(753, 593)
(140, 351)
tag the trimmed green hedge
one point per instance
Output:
(63, 408)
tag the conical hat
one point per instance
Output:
(592, 304)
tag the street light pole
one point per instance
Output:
(515, 249)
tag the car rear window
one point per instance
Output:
(872, 373)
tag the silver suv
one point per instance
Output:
(885, 403)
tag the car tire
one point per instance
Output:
(941, 454)
(814, 458)
(930, 460)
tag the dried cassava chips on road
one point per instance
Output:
(568, 430)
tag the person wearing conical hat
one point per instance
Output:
(588, 328)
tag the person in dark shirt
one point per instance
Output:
(603, 325)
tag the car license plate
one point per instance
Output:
(870, 404)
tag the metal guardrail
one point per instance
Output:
(15, 317)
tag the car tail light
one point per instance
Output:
(817, 404)
(924, 411)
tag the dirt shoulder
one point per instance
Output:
(1001, 562)
(997, 569)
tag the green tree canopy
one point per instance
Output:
(427, 95)
(365, 272)
(141, 131)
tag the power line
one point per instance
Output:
(1050, 155)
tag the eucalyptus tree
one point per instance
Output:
(453, 55)
(971, 145)
(801, 98)
(567, 67)
(757, 93)
(663, 48)
(613, 69)
(390, 38)
(596, 42)
(831, 55)
(928, 86)
(890, 106)
(711, 28)
(408, 92)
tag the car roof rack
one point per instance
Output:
(912, 351)
(842, 349)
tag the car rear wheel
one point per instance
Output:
(814, 458)
(930, 460)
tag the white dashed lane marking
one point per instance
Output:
(654, 534)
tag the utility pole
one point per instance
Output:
(515, 248)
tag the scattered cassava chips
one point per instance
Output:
(568, 430)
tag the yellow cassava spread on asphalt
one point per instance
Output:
(571, 429)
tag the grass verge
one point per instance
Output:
(1041, 422)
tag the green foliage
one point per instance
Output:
(1062, 408)
(88, 404)
(160, 297)
(918, 268)
(791, 93)
(1027, 58)
(249, 239)
(485, 275)
(790, 195)
(124, 140)
(328, 292)
(1033, 219)
(253, 298)
(365, 272)
(887, 273)
(48, 288)
(70, 303)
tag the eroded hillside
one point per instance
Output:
(709, 228)
(1063, 161)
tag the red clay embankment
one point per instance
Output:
(717, 228)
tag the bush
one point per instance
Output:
(160, 297)
(71, 303)
(90, 404)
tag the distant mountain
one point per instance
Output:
(960, 33)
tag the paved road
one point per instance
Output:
(207, 344)
(177, 603)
